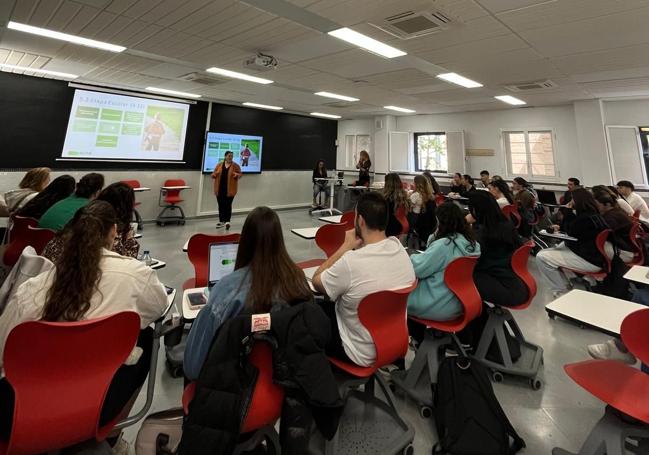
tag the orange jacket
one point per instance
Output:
(233, 181)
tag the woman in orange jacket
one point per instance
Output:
(226, 177)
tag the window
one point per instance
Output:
(353, 146)
(431, 152)
(530, 153)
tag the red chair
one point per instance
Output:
(635, 236)
(623, 388)
(383, 314)
(169, 200)
(511, 212)
(18, 226)
(348, 218)
(439, 199)
(198, 251)
(60, 373)
(403, 219)
(330, 237)
(501, 319)
(35, 237)
(600, 241)
(265, 407)
(135, 184)
(636, 215)
(417, 380)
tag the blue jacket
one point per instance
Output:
(227, 299)
(431, 299)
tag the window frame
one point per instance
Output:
(415, 136)
(530, 176)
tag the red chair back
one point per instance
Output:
(635, 335)
(348, 218)
(330, 237)
(600, 241)
(519, 266)
(458, 277)
(34, 237)
(133, 183)
(60, 373)
(634, 235)
(267, 398)
(173, 196)
(401, 217)
(198, 251)
(439, 199)
(383, 314)
(636, 215)
(18, 226)
(511, 212)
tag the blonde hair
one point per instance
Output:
(36, 179)
(364, 154)
(424, 188)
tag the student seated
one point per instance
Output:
(433, 183)
(456, 184)
(616, 220)
(56, 217)
(122, 197)
(520, 184)
(367, 262)
(500, 191)
(627, 190)
(264, 276)
(525, 204)
(624, 205)
(484, 178)
(498, 239)
(34, 181)
(396, 198)
(454, 238)
(320, 186)
(60, 188)
(89, 282)
(422, 218)
(581, 255)
(467, 185)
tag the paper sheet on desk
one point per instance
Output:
(308, 273)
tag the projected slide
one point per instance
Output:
(246, 151)
(109, 126)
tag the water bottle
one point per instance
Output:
(146, 258)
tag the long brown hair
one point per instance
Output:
(36, 179)
(584, 202)
(394, 192)
(274, 275)
(423, 187)
(77, 269)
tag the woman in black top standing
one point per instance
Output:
(320, 186)
(581, 255)
(364, 164)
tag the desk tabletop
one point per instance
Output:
(189, 314)
(638, 273)
(306, 233)
(559, 235)
(357, 187)
(158, 265)
(171, 297)
(185, 187)
(598, 311)
(142, 188)
(558, 206)
(137, 236)
(335, 219)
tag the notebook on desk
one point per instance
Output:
(221, 260)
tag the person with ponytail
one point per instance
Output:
(88, 282)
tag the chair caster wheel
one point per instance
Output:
(497, 376)
(409, 450)
(425, 412)
(536, 384)
(175, 371)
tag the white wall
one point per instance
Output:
(627, 112)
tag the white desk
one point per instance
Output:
(331, 219)
(558, 236)
(306, 233)
(638, 273)
(357, 187)
(142, 188)
(189, 314)
(597, 311)
(555, 206)
(159, 265)
(308, 273)
(184, 187)
(137, 236)
(171, 297)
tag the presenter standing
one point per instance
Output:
(364, 164)
(226, 177)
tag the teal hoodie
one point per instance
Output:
(432, 299)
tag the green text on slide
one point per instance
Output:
(131, 130)
(114, 115)
(84, 126)
(224, 146)
(106, 141)
(87, 112)
(109, 128)
(134, 117)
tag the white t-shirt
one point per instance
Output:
(637, 203)
(380, 266)
(126, 284)
(624, 205)
(502, 202)
(417, 201)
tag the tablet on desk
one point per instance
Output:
(196, 300)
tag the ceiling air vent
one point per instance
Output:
(528, 86)
(411, 24)
(339, 104)
(202, 79)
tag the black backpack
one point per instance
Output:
(468, 416)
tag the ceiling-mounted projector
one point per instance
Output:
(261, 62)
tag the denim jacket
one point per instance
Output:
(227, 299)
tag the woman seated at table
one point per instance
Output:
(264, 276)
(122, 198)
(431, 299)
(581, 255)
(320, 186)
(501, 192)
(89, 282)
(397, 199)
(456, 185)
(617, 220)
(59, 189)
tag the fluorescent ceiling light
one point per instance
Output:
(399, 109)
(510, 100)
(459, 80)
(39, 71)
(336, 96)
(172, 92)
(65, 37)
(263, 106)
(367, 43)
(237, 75)
(320, 114)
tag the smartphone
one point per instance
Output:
(196, 299)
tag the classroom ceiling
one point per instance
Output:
(586, 48)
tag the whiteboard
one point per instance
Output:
(398, 151)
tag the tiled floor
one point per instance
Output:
(560, 414)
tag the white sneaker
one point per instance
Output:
(610, 351)
(219, 225)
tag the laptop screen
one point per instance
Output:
(221, 261)
(546, 197)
